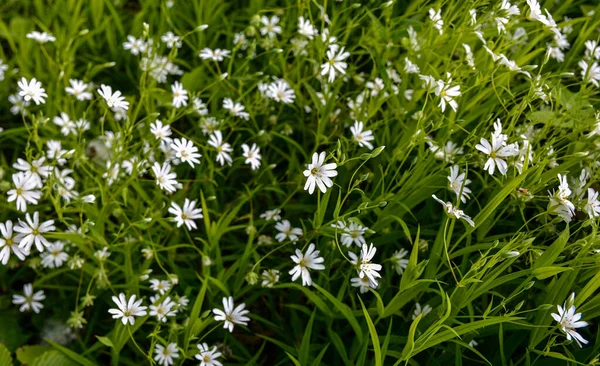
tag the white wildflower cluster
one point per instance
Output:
(194, 193)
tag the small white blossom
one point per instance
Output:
(127, 309)
(32, 90)
(319, 174)
(30, 300)
(230, 315)
(305, 262)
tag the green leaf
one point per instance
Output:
(319, 357)
(339, 346)
(590, 287)
(53, 358)
(195, 313)
(495, 202)
(386, 342)
(27, 354)
(71, 355)
(373, 333)
(294, 360)
(344, 309)
(304, 354)
(311, 295)
(11, 333)
(411, 273)
(279, 344)
(405, 296)
(550, 254)
(542, 273)
(410, 344)
(106, 341)
(460, 330)
(557, 355)
(5, 357)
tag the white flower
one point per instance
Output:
(30, 301)
(252, 155)
(414, 41)
(32, 232)
(400, 263)
(568, 321)
(354, 234)
(208, 356)
(41, 37)
(32, 90)
(496, 151)
(469, 56)
(592, 205)
(269, 278)
(127, 309)
(271, 27)
(36, 169)
(79, 90)
(160, 286)
(447, 94)
(590, 72)
(410, 67)
(199, 107)
(592, 49)
(230, 315)
(25, 191)
(186, 151)
(335, 62)
(446, 152)
(429, 83)
(171, 40)
(102, 255)
(501, 24)
(454, 212)
(54, 257)
(363, 284)
(559, 201)
(236, 109)
(376, 86)
(361, 137)
(512, 65)
(271, 215)
(113, 100)
(160, 131)
(421, 310)
(280, 91)
(3, 68)
(306, 261)
(180, 96)
(286, 231)
(10, 241)
(436, 18)
(366, 268)
(67, 126)
(19, 104)
(135, 45)
(510, 9)
(164, 178)
(165, 355)
(163, 310)
(318, 174)
(187, 215)
(306, 28)
(216, 55)
(223, 148)
(458, 183)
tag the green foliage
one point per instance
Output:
(449, 293)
